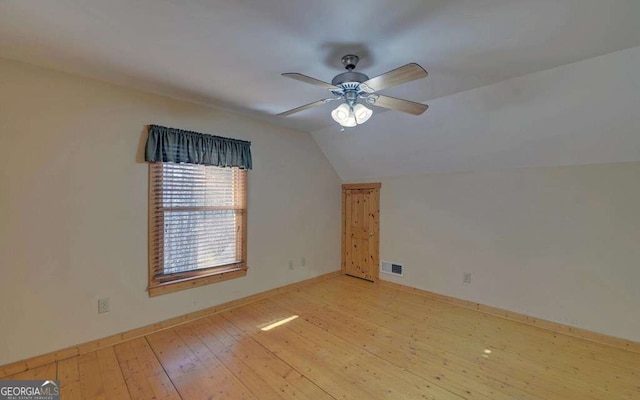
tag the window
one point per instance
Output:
(198, 220)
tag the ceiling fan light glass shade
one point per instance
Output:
(341, 113)
(350, 121)
(362, 113)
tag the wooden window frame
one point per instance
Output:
(195, 278)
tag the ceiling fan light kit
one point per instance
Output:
(362, 113)
(342, 113)
(354, 88)
(348, 116)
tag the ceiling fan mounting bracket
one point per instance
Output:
(370, 98)
(350, 61)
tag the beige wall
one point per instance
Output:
(561, 243)
(73, 208)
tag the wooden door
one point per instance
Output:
(361, 230)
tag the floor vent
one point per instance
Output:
(392, 268)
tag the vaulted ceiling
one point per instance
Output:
(230, 53)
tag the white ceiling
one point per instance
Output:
(231, 52)
(576, 114)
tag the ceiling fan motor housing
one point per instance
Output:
(350, 76)
(348, 83)
(348, 86)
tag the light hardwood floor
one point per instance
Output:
(351, 340)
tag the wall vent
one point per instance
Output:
(392, 268)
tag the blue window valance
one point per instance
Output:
(178, 146)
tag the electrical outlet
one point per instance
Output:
(303, 262)
(291, 264)
(466, 277)
(104, 305)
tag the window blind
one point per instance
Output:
(197, 220)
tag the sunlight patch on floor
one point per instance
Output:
(278, 323)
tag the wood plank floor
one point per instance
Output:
(350, 340)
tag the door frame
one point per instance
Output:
(375, 186)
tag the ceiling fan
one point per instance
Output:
(355, 88)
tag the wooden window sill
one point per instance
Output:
(161, 288)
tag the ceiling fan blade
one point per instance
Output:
(302, 108)
(406, 73)
(308, 79)
(410, 107)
